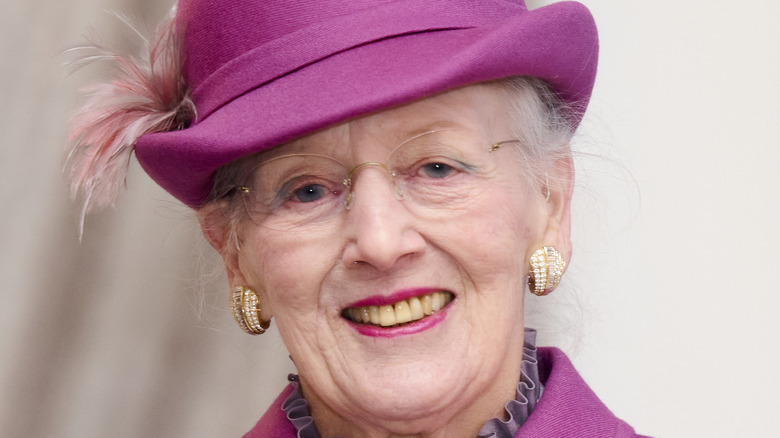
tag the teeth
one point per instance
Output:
(354, 314)
(427, 306)
(374, 312)
(386, 316)
(437, 301)
(364, 315)
(401, 312)
(416, 308)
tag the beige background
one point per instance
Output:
(670, 308)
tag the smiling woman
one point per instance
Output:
(421, 248)
(383, 180)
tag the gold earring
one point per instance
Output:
(547, 268)
(245, 305)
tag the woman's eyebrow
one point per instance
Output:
(434, 126)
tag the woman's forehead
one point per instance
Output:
(479, 109)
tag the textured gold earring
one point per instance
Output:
(547, 268)
(245, 305)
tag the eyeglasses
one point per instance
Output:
(432, 172)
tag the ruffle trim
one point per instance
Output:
(529, 389)
(297, 409)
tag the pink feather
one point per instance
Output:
(144, 95)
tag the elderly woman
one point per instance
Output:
(383, 179)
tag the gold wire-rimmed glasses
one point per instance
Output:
(431, 172)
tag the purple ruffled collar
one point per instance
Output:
(529, 389)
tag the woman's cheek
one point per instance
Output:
(292, 276)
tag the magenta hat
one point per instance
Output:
(264, 72)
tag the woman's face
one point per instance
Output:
(387, 250)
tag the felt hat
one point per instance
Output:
(264, 72)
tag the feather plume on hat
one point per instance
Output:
(144, 94)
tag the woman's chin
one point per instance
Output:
(416, 399)
(428, 370)
(406, 392)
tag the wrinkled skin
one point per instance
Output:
(446, 380)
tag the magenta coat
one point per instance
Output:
(568, 408)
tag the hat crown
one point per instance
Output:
(283, 35)
(218, 31)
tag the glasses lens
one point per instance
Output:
(295, 190)
(432, 173)
(441, 169)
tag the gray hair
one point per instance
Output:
(542, 123)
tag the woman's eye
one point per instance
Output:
(309, 193)
(437, 170)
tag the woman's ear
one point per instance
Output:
(222, 233)
(218, 230)
(558, 189)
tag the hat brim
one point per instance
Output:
(557, 43)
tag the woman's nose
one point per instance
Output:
(379, 225)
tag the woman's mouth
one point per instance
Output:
(401, 312)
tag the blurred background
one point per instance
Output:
(669, 309)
